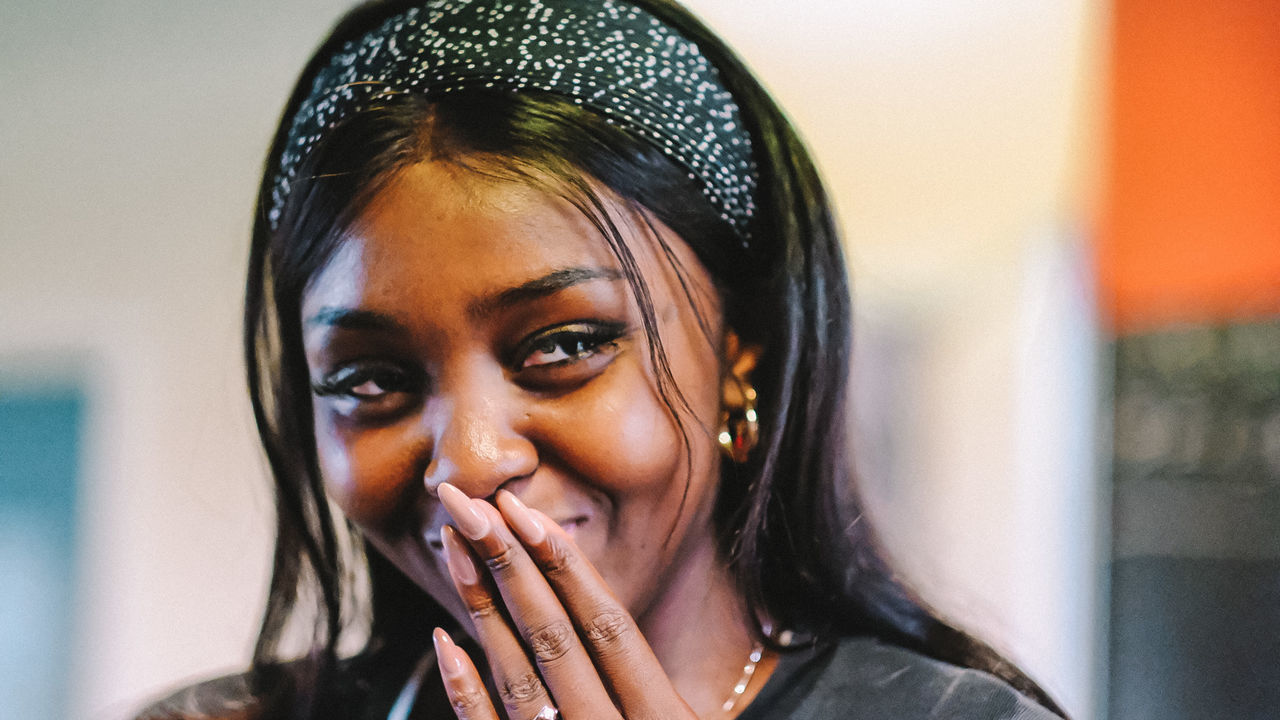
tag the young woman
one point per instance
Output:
(545, 298)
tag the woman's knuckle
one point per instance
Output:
(551, 641)
(607, 628)
(467, 702)
(520, 689)
(482, 609)
(503, 561)
(560, 559)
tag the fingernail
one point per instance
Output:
(464, 512)
(457, 558)
(522, 521)
(448, 655)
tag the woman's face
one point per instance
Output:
(480, 332)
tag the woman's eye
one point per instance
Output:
(558, 348)
(566, 345)
(368, 389)
(364, 383)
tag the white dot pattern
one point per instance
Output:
(606, 55)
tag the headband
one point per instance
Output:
(606, 55)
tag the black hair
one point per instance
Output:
(794, 559)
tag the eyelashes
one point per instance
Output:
(363, 381)
(371, 390)
(565, 344)
(558, 358)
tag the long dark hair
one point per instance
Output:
(794, 558)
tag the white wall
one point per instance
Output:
(131, 135)
(961, 143)
(958, 140)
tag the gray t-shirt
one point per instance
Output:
(855, 678)
(865, 679)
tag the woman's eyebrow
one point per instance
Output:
(539, 287)
(353, 319)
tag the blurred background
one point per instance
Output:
(1063, 228)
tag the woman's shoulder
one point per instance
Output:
(223, 698)
(866, 677)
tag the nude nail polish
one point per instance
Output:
(464, 512)
(460, 565)
(521, 520)
(448, 656)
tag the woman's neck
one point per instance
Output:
(701, 633)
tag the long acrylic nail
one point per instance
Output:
(448, 655)
(470, 522)
(461, 567)
(521, 520)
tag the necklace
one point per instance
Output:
(748, 670)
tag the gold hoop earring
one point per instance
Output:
(740, 427)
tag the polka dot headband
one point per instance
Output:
(606, 55)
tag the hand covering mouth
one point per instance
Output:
(570, 523)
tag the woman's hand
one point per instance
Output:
(541, 598)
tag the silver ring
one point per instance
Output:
(547, 713)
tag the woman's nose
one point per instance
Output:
(479, 442)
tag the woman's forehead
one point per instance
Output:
(439, 245)
(465, 232)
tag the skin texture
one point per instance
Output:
(478, 332)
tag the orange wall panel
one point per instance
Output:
(1191, 221)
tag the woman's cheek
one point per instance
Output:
(619, 436)
(365, 472)
(647, 442)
